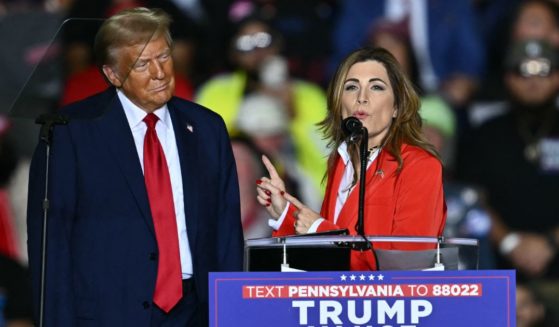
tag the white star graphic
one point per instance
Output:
(352, 277)
(371, 277)
(361, 277)
(380, 277)
(343, 277)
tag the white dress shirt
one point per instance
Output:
(166, 136)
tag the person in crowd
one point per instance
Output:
(8, 162)
(521, 20)
(404, 194)
(264, 120)
(467, 213)
(515, 158)
(261, 69)
(448, 47)
(306, 27)
(143, 193)
(15, 294)
(531, 310)
(249, 167)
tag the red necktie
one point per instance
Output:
(168, 288)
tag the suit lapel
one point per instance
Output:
(185, 133)
(113, 127)
(380, 171)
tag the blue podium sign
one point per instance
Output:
(363, 299)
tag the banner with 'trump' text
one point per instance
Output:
(367, 299)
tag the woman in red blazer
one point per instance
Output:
(404, 191)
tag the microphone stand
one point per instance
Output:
(360, 226)
(47, 122)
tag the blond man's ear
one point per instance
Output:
(112, 76)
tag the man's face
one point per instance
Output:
(144, 74)
(256, 48)
(534, 90)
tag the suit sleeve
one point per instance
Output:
(420, 208)
(62, 191)
(230, 241)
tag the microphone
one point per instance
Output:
(352, 128)
(355, 132)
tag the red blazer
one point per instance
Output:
(409, 202)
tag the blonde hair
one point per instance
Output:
(405, 127)
(129, 27)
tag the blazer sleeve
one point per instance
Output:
(59, 304)
(420, 208)
(287, 227)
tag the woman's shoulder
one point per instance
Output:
(415, 155)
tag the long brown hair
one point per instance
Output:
(405, 127)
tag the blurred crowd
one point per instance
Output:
(487, 72)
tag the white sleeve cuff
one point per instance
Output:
(276, 223)
(315, 225)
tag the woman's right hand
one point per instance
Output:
(271, 190)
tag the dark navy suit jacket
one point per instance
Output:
(102, 251)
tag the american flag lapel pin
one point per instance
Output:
(380, 173)
(189, 128)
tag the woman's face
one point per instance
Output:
(368, 96)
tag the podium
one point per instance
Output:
(332, 253)
(401, 293)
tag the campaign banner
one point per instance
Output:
(363, 299)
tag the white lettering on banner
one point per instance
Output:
(352, 315)
(331, 312)
(361, 291)
(384, 310)
(345, 290)
(303, 313)
(420, 309)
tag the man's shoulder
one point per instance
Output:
(90, 107)
(193, 110)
